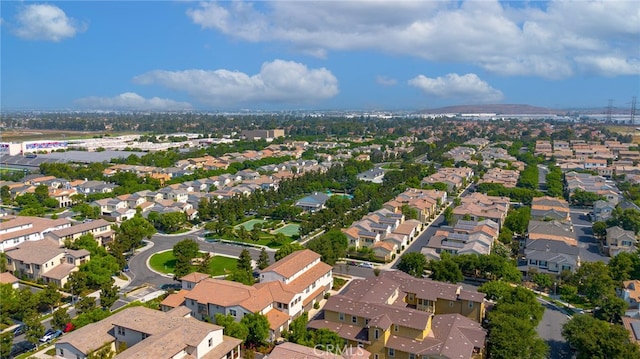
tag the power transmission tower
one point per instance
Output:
(633, 110)
(609, 110)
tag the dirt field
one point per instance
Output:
(625, 130)
(34, 135)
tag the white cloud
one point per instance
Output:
(540, 39)
(132, 101)
(467, 87)
(278, 82)
(46, 22)
(386, 81)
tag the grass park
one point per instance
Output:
(165, 262)
(273, 234)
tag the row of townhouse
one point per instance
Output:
(148, 333)
(384, 231)
(60, 189)
(427, 203)
(619, 240)
(287, 288)
(454, 178)
(507, 178)
(466, 237)
(594, 184)
(397, 316)
(550, 208)
(460, 153)
(549, 247)
(477, 206)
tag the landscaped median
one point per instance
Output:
(165, 262)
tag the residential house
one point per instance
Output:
(290, 350)
(466, 237)
(618, 240)
(602, 210)
(374, 175)
(99, 228)
(148, 333)
(44, 260)
(286, 289)
(397, 315)
(313, 203)
(630, 293)
(15, 230)
(8, 278)
(550, 208)
(478, 206)
(507, 178)
(549, 256)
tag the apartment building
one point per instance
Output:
(398, 316)
(287, 288)
(99, 228)
(545, 208)
(15, 230)
(44, 260)
(148, 333)
(479, 206)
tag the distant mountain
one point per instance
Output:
(495, 108)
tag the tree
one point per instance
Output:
(611, 309)
(600, 229)
(543, 280)
(85, 305)
(182, 267)
(263, 260)
(625, 266)
(594, 338)
(60, 318)
(495, 289)
(241, 276)
(331, 246)
(518, 220)
(445, 270)
(6, 342)
(231, 327)
(504, 343)
(258, 328)
(593, 281)
(287, 249)
(186, 247)
(132, 231)
(413, 263)
(245, 262)
(298, 332)
(448, 216)
(108, 294)
(328, 340)
(584, 198)
(34, 329)
(104, 353)
(49, 297)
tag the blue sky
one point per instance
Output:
(173, 55)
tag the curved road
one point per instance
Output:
(141, 274)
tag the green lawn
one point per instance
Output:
(165, 262)
(248, 225)
(289, 230)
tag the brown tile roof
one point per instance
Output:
(276, 319)
(226, 293)
(633, 286)
(79, 228)
(60, 271)
(175, 300)
(311, 275)
(8, 278)
(296, 351)
(195, 277)
(344, 330)
(293, 263)
(35, 252)
(39, 225)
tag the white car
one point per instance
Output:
(366, 265)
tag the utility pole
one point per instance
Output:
(633, 110)
(609, 110)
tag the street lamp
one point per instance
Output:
(554, 290)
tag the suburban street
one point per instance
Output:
(588, 244)
(550, 329)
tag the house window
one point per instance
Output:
(542, 264)
(232, 312)
(412, 356)
(145, 336)
(341, 316)
(533, 262)
(210, 342)
(396, 327)
(376, 334)
(411, 296)
(392, 352)
(451, 303)
(366, 322)
(470, 304)
(121, 330)
(376, 356)
(61, 352)
(354, 319)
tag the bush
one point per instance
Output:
(316, 305)
(327, 295)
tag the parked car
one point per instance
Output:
(352, 263)
(68, 327)
(366, 265)
(19, 330)
(50, 335)
(21, 348)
